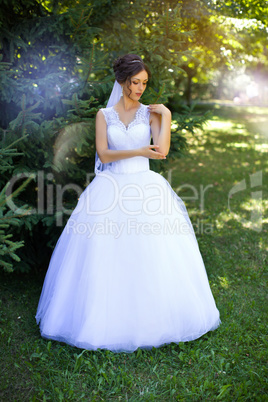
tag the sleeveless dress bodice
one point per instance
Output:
(136, 135)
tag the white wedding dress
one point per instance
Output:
(127, 271)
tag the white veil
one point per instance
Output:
(115, 94)
(113, 100)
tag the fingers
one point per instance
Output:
(152, 154)
(155, 106)
(158, 108)
(157, 155)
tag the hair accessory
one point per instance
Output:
(136, 61)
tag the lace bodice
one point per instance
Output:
(112, 118)
(136, 135)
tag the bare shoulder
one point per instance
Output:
(100, 114)
(100, 119)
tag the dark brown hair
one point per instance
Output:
(127, 66)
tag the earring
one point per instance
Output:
(121, 92)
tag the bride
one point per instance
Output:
(127, 271)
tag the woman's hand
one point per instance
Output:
(159, 109)
(148, 152)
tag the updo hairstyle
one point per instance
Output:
(127, 66)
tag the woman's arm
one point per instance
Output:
(160, 126)
(107, 155)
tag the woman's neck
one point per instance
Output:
(128, 104)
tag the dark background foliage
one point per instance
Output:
(56, 72)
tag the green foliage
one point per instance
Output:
(49, 91)
(249, 9)
(8, 218)
(26, 119)
(55, 73)
(226, 39)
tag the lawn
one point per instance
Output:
(224, 182)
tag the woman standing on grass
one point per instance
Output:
(127, 271)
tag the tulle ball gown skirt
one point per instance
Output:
(127, 271)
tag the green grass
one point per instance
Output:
(228, 364)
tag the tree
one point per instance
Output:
(57, 72)
(226, 39)
(44, 47)
(243, 9)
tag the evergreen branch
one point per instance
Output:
(167, 19)
(90, 65)
(14, 142)
(16, 192)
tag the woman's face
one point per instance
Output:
(137, 85)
